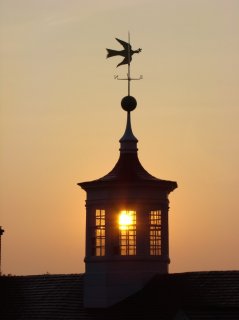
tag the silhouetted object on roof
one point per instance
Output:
(127, 52)
(1, 233)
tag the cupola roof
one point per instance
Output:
(128, 169)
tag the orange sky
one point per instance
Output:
(61, 121)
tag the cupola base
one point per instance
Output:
(104, 289)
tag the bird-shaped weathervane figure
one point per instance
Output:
(127, 52)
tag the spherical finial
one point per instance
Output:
(128, 103)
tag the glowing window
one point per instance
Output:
(127, 227)
(99, 239)
(155, 233)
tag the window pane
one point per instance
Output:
(127, 229)
(98, 248)
(155, 232)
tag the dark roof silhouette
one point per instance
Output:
(128, 169)
(188, 296)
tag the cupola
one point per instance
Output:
(126, 225)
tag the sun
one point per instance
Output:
(125, 219)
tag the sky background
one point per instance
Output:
(61, 121)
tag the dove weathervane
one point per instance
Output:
(127, 54)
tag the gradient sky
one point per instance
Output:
(61, 121)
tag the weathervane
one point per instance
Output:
(126, 53)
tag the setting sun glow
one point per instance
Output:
(125, 219)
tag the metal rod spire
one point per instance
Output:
(129, 64)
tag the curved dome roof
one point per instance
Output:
(128, 170)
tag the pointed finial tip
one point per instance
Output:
(128, 103)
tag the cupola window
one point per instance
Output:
(127, 229)
(155, 232)
(99, 241)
